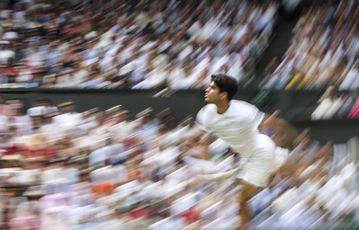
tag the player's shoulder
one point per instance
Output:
(242, 105)
(205, 113)
(204, 116)
(209, 108)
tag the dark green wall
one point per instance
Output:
(295, 106)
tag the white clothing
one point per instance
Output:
(11, 35)
(64, 81)
(23, 124)
(177, 79)
(153, 79)
(36, 111)
(68, 120)
(53, 131)
(79, 77)
(24, 76)
(351, 81)
(238, 127)
(109, 174)
(322, 109)
(5, 55)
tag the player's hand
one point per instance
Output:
(199, 179)
(195, 181)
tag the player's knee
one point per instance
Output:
(244, 197)
(247, 191)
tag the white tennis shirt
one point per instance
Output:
(237, 126)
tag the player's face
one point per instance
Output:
(212, 94)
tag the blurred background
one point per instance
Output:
(98, 99)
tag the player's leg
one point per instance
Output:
(255, 174)
(246, 192)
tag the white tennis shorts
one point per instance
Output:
(263, 162)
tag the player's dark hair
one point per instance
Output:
(225, 84)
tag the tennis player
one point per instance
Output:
(240, 124)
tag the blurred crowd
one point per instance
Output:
(61, 169)
(130, 44)
(324, 50)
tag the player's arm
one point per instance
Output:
(203, 131)
(205, 137)
(268, 122)
(281, 131)
(218, 177)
